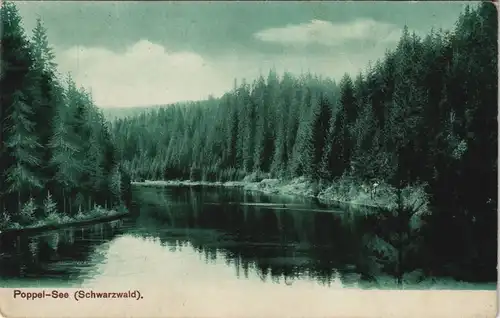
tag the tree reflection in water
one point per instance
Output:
(252, 232)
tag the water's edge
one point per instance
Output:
(297, 187)
(57, 226)
(209, 222)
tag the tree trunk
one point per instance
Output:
(18, 244)
(64, 201)
(401, 243)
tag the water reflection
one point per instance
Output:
(182, 235)
(56, 258)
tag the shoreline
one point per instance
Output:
(344, 192)
(44, 227)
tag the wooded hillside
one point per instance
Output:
(57, 154)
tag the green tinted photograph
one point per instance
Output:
(248, 154)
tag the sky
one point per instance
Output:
(150, 53)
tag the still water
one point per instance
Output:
(220, 239)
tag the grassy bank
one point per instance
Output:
(28, 222)
(343, 190)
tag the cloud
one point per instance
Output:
(144, 74)
(331, 34)
(148, 74)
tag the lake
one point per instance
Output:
(224, 240)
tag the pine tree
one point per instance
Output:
(261, 110)
(302, 147)
(45, 91)
(49, 205)
(338, 151)
(64, 159)
(23, 146)
(15, 115)
(320, 127)
(116, 186)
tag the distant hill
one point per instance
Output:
(114, 113)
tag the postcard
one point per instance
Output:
(248, 159)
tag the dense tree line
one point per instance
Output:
(260, 127)
(425, 113)
(56, 150)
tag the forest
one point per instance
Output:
(424, 115)
(56, 150)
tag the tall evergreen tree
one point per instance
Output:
(19, 148)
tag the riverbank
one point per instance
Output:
(56, 221)
(343, 191)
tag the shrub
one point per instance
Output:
(27, 214)
(5, 220)
(49, 206)
(53, 218)
(80, 215)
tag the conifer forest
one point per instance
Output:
(57, 153)
(425, 114)
(421, 120)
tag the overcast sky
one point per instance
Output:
(133, 54)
